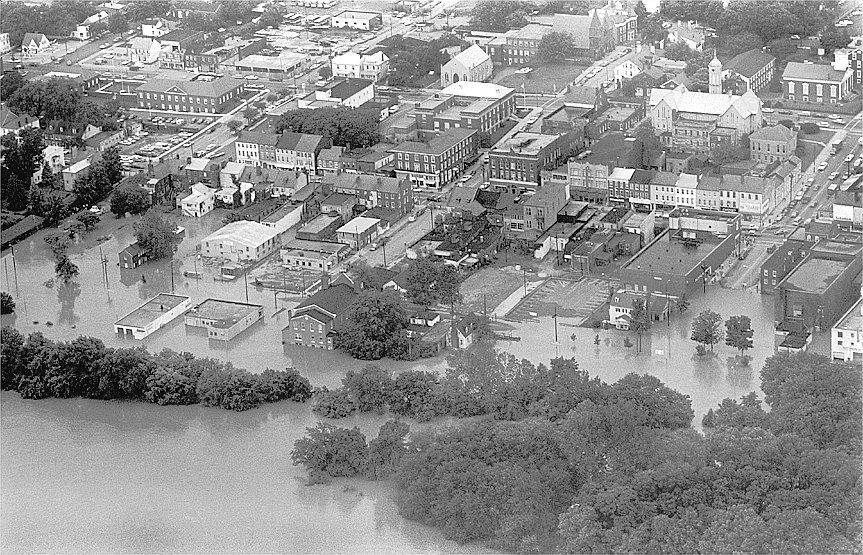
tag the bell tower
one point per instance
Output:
(715, 75)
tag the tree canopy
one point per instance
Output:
(156, 236)
(357, 128)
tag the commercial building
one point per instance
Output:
(754, 67)
(438, 161)
(364, 21)
(315, 255)
(201, 200)
(846, 336)
(468, 105)
(74, 172)
(684, 258)
(144, 50)
(472, 64)
(348, 92)
(816, 82)
(197, 95)
(152, 316)
(593, 35)
(243, 240)
(848, 207)
(297, 151)
(518, 161)
(373, 67)
(315, 321)
(785, 258)
(287, 216)
(374, 191)
(820, 289)
(359, 232)
(224, 320)
(322, 227)
(589, 171)
(772, 143)
(850, 57)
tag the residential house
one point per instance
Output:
(688, 32)
(69, 133)
(34, 43)
(315, 321)
(200, 201)
(846, 336)
(242, 240)
(851, 58)
(5, 44)
(626, 70)
(341, 204)
(144, 50)
(375, 191)
(816, 82)
(132, 256)
(472, 64)
(154, 28)
(11, 122)
(373, 67)
(104, 140)
(76, 171)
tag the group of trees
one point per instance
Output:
(58, 99)
(22, 157)
(129, 200)
(355, 128)
(57, 19)
(38, 368)
(155, 235)
(571, 464)
(556, 47)
(415, 64)
(430, 281)
(376, 327)
(500, 15)
(707, 330)
(99, 181)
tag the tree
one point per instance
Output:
(726, 153)
(374, 327)
(131, 200)
(325, 72)
(356, 128)
(554, 47)
(333, 451)
(118, 24)
(681, 303)
(234, 125)
(809, 128)
(834, 38)
(499, 15)
(367, 277)
(386, 450)
(65, 268)
(738, 333)
(7, 303)
(706, 328)
(156, 236)
(640, 323)
(742, 42)
(111, 165)
(93, 186)
(47, 99)
(371, 387)
(88, 219)
(22, 156)
(429, 280)
(9, 83)
(733, 84)
(678, 51)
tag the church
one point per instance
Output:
(696, 122)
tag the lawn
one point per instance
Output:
(548, 78)
(489, 287)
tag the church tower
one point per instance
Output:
(715, 75)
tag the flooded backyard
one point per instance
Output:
(81, 475)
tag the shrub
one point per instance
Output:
(278, 385)
(339, 452)
(242, 392)
(337, 403)
(7, 303)
(809, 128)
(170, 387)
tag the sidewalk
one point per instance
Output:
(516, 297)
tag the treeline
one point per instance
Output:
(39, 368)
(348, 127)
(564, 462)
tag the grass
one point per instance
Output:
(543, 79)
(488, 288)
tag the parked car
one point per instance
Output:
(822, 166)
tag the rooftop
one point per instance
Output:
(475, 89)
(812, 72)
(224, 314)
(334, 299)
(244, 232)
(672, 256)
(776, 132)
(471, 57)
(853, 319)
(346, 88)
(614, 148)
(150, 310)
(339, 199)
(363, 182)
(319, 223)
(356, 14)
(324, 247)
(437, 145)
(358, 225)
(750, 62)
(525, 143)
(215, 88)
(815, 274)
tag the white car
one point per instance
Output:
(96, 210)
(833, 176)
(822, 166)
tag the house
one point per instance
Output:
(772, 143)
(11, 122)
(144, 50)
(82, 31)
(74, 172)
(851, 58)
(687, 32)
(243, 240)
(472, 64)
(315, 321)
(224, 320)
(398, 283)
(626, 70)
(754, 67)
(104, 140)
(359, 232)
(816, 83)
(296, 151)
(68, 133)
(373, 67)
(438, 161)
(210, 96)
(201, 200)
(374, 191)
(846, 336)
(464, 334)
(620, 308)
(5, 44)
(34, 43)
(132, 256)
(352, 19)
(340, 204)
(54, 157)
(151, 316)
(154, 28)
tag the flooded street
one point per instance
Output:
(81, 475)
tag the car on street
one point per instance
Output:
(412, 218)
(833, 176)
(104, 45)
(822, 166)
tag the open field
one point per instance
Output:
(549, 78)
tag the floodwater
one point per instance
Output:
(80, 475)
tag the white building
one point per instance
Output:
(686, 185)
(201, 201)
(5, 45)
(144, 50)
(73, 172)
(473, 64)
(241, 240)
(82, 31)
(364, 21)
(846, 337)
(373, 67)
(11, 122)
(152, 315)
(627, 70)
(34, 43)
(350, 92)
(359, 232)
(154, 28)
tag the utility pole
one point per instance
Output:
(524, 279)
(384, 247)
(172, 279)
(555, 323)
(246, 282)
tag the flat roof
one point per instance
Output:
(477, 89)
(150, 310)
(225, 313)
(360, 224)
(525, 143)
(816, 275)
(305, 245)
(319, 223)
(665, 255)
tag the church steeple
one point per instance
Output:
(714, 69)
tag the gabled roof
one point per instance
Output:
(812, 72)
(142, 43)
(133, 250)
(471, 57)
(684, 100)
(301, 142)
(10, 120)
(347, 88)
(333, 300)
(776, 132)
(258, 138)
(750, 62)
(363, 182)
(32, 37)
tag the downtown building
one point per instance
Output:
(190, 96)
(437, 162)
(483, 107)
(297, 151)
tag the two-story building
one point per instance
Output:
(197, 95)
(816, 82)
(437, 162)
(472, 64)
(772, 143)
(374, 191)
(754, 67)
(316, 320)
(373, 67)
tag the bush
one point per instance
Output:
(278, 385)
(242, 392)
(809, 128)
(338, 452)
(7, 303)
(337, 403)
(170, 387)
